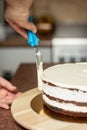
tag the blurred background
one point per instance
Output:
(62, 30)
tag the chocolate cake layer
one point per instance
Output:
(67, 113)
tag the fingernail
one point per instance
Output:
(34, 31)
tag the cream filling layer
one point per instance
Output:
(65, 94)
(65, 106)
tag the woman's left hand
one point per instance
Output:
(8, 93)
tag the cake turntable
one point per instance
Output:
(29, 114)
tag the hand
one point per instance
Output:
(17, 16)
(8, 93)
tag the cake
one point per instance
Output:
(65, 89)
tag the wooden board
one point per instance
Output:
(28, 111)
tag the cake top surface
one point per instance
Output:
(68, 75)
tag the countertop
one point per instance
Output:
(16, 40)
(25, 78)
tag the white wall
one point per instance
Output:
(63, 11)
(11, 57)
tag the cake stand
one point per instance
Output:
(28, 111)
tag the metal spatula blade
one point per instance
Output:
(39, 65)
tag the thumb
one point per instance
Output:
(7, 85)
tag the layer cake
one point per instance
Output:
(65, 89)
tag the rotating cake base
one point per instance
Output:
(28, 110)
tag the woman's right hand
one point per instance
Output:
(17, 14)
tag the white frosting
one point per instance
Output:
(69, 83)
(65, 94)
(39, 73)
(69, 75)
(65, 106)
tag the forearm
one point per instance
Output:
(21, 4)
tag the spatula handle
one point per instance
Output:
(33, 40)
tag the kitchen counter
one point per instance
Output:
(18, 41)
(25, 78)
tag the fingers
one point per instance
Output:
(12, 96)
(8, 99)
(28, 26)
(5, 102)
(21, 29)
(3, 93)
(5, 106)
(7, 93)
(7, 85)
